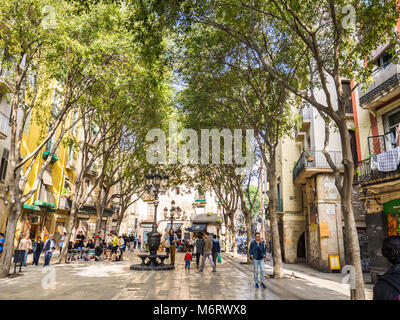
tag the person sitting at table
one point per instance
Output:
(90, 244)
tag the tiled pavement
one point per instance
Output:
(115, 281)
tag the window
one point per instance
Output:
(390, 122)
(4, 164)
(353, 146)
(384, 60)
(347, 92)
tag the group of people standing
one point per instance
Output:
(202, 245)
(37, 248)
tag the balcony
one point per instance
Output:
(200, 200)
(4, 126)
(367, 176)
(65, 204)
(305, 114)
(312, 162)
(376, 145)
(385, 85)
(70, 164)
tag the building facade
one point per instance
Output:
(378, 172)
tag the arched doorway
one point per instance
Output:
(301, 248)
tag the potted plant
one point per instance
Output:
(309, 157)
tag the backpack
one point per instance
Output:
(216, 247)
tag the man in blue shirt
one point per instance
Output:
(173, 239)
(257, 254)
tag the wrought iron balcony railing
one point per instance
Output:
(316, 159)
(365, 173)
(384, 78)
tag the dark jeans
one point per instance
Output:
(36, 256)
(134, 245)
(167, 251)
(47, 257)
(215, 256)
(187, 264)
(198, 259)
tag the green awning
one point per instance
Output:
(107, 213)
(392, 207)
(87, 210)
(31, 207)
(42, 203)
(200, 200)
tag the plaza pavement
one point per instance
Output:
(115, 281)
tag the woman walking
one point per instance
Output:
(198, 247)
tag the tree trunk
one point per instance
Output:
(227, 233)
(247, 216)
(276, 245)
(350, 224)
(8, 250)
(70, 228)
(233, 234)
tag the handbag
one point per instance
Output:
(219, 258)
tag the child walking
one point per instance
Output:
(188, 258)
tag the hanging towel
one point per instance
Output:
(388, 161)
(374, 163)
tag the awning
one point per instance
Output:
(198, 227)
(176, 226)
(205, 218)
(108, 212)
(47, 178)
(31, 207)
(45, 204)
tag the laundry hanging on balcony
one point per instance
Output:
(386, 161)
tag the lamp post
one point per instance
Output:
(172, 212)
(155, 184)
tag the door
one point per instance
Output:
(301, 248)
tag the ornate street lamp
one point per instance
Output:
(156, 183)
(174, 210)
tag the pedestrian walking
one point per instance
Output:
(121, 247)
(208, 244)
(188, 259)
(216, 249)
(198, 249)
(134, 241)
(114, 243)
(37, 249)
(2, 241)
(98, 246)
(172, 238)
(257, 253)
(109, 246)
(26, 245)
(62, 240)
(48, 248)
(139, 242)
(388, 285)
